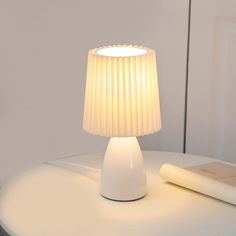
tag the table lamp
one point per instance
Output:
(122, 102)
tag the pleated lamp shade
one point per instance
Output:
(122, 97)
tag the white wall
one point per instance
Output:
(212, 80)
(43, 51)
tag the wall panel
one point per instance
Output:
(211, 116)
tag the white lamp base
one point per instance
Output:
(123, 175)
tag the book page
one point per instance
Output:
(221, 172)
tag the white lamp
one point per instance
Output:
(122, 102)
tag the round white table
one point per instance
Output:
(54, 201)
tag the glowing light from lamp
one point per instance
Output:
(121, 51)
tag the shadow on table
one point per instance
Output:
(2, 232)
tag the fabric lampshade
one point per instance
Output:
(121, 96)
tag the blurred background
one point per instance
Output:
(43, 56)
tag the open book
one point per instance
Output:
(215, 179)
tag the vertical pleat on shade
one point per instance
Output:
(122, 96)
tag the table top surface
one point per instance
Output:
(49, 200)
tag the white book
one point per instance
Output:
(215, 179)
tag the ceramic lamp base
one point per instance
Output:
(123, 175)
